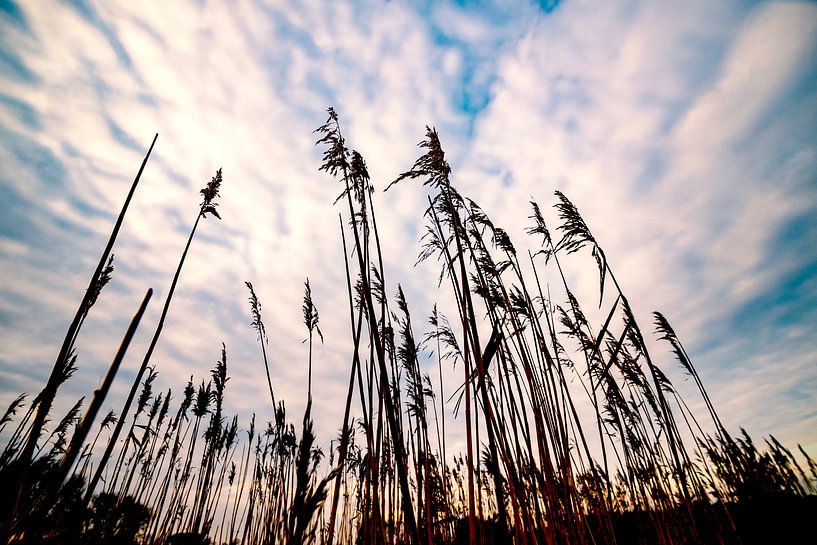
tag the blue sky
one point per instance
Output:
(686, 132)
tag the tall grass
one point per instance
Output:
(574, 432)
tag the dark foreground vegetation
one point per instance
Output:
(640, 469)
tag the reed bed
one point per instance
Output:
(538, 466)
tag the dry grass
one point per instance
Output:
(642, 469)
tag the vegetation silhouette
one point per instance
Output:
(639, 468)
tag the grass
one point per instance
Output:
(643, 468)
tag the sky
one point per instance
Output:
(685, 132)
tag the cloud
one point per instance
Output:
(643, 128)
(684, 133)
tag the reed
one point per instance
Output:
(574, 432)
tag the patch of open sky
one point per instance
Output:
(285, 30)
(209, 235)
(121, 136)
(178, 179)
(698, 63)
(546, 6)
(127, 267)
(41, 230)
(68, 227)
(472, 94)
(172, 353)
(119, 176)
(795, 112)
(17, 379)
(102, 89)
(474, 90)
(90, 15)
(281, 224)
(70, 150)
(177, 220)
(567, 90)
(278, 64)
(22, 111)
(11, 65)
(35, 159)
(15, 221)
(10, 11)
(479, 54)
(89, 211)
(147, 100)
(785, 314)
(792, 299)
(278, 60)
(652, 171)
(18, 306)
(318, 84)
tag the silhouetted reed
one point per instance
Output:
(574, 432)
